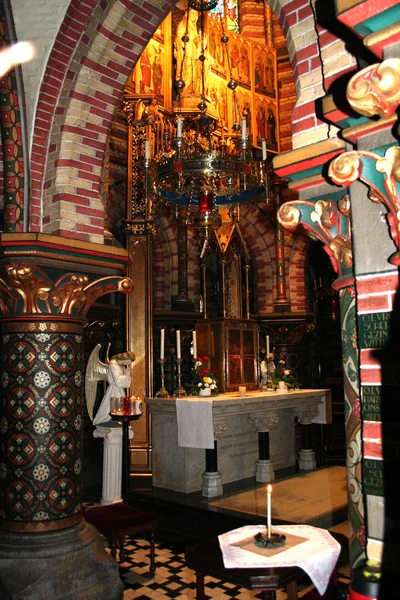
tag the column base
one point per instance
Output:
(307, 460)
(212, 484)
(61, 565)
(264, 471)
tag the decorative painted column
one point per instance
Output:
(281, 301)
(328, 220)
(46, 548)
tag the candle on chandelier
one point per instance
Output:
(269, 491)
(264, 150)
(147, 149)
(194, 344)
(179, 127)
(244, 129)
(162, 343)
(178, 344)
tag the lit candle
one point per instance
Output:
(147, 149)
(162, 342)
(264, 149)
(269, 490)
(244, 127)
(194, 345)
(179, 127)
(267, 345)
(178, 344)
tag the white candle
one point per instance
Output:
(269, 490)
(179, 127)
(147, 149)
(162, 343)
(244, 127)
(264, 149)
(178, 344)
(194, 344)
(267, 345)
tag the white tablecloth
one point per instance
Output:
(195, 422)
(317, 556)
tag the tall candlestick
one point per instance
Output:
(244, 127)
(194, 345)
(179, 127)
(267, 345)
(264, 150)
(269, 490)
(147, 149)
(162, 343)
(178, 344)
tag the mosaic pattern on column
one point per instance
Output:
(40, 425)
(11, 135)
(353, 424)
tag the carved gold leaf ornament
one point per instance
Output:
(345, 168)
(289, 216)
(342, 250)
(390, 166)
(325, 214)
(67, 295)
(26, 283)
(375, 90)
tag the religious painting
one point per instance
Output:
(149, 72)
(264, 70)
(246, 103)
(217, 95)
(215, 48)
(266, 122)
(232, 15)
(239, 51)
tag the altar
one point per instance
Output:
(238, 424)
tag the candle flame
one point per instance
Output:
(269, 488)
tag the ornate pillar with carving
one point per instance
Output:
(44, 299)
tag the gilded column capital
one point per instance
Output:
(329, 222)
(28, 289)
(381, 175)
(375, 90)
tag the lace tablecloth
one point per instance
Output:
(316, 554)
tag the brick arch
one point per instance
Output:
(165, 263)
(260, 240)
(296, 249)
(93, 55)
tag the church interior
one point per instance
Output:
(199, 231)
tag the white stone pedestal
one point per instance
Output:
(307, 460)
(212, 484)
(264, 471)
(112, 461)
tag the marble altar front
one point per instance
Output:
(237, 423)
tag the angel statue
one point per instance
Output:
(117, 373)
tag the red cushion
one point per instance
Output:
(115, 517)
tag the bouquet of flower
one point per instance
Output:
(283, 373)
(202, 378)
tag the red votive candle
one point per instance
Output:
(206, 202)
(126, 406)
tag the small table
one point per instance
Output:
(206, 559)
(125, 419)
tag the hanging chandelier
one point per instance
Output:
(196, 165)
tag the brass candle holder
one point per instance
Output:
(179, 389)
(162, 392)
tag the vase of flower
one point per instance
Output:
(205, 392)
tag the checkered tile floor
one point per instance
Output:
(173, 578)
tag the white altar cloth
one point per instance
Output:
(317, 556)
(195, 422)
